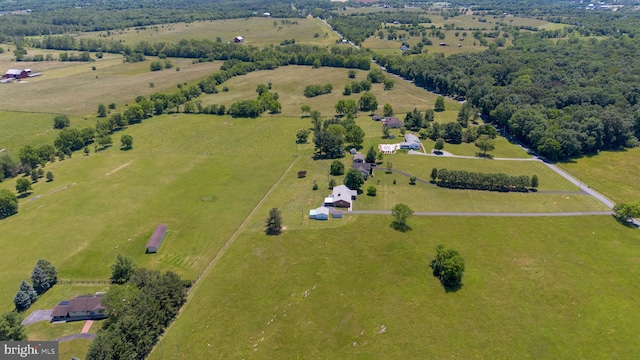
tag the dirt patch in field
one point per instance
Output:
(118, 168)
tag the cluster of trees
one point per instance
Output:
(315, 90)
(331, 135)
(448, 266)
(139, 310)
(461, 179)
(357, 87)
(159, 65)
(571, 105)
(43, 277)
(253, 108)
(358, 27)
(11, 328)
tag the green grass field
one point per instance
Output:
(256, 31)
(289, 82)
(195, 173)
(533, 288)
(76, 89)
(614, 174)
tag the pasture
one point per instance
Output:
(614, 174)
(76, 89)
(289, 82)
(257, 31)
(195, 173)
(21, 128)
(532, 288)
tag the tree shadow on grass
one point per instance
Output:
(23, 195)
(452, 288)
(402, 227)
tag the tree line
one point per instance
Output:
(462, 179)
(64, 16)
(140, 307)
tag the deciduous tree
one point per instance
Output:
(354, 179)
(8, 203)
(11, 328)
(126, 141)
(439, 105)
(23, 185)
(401, 214)
(387, 110)
(274, 222)
(122, 269)
(337, 168)
(448, 266)
(485, 144)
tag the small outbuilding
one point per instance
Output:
(16, 74)
(238, 40)
(322, 213)
(156, 239)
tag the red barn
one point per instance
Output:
(15, 74)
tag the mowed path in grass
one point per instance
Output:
(533, 287)
(197, 174)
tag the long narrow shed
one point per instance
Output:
(156, 239)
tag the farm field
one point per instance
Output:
(20, 129)
(536, 288)
(256, 31)
(77, 90)
(289, 82)
(614, 174)
(195, 173)
(552, 287)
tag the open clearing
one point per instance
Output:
(289, 82)
(76, 89)
(255, 31)
(20, 129)
(536, 288)
(614, 174)
(195, 173)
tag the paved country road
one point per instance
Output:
(492, 214)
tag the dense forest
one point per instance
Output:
(563, 99)
(28, 18)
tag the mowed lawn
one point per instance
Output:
(257, 31)
(614, 174)
(290, 81)
(200, 175)
(533, 288)
(76, 89)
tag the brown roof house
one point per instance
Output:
(83, 307)
(156, 239)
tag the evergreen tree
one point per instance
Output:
(28, 289)
(50, 270)
(122, 269)
(40, 280)
(22, 300)
(371, 156)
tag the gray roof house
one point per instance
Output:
(411, 142)
(341, 196)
